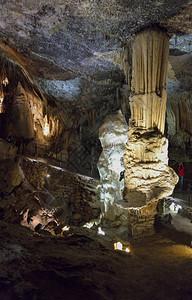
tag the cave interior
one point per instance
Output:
(95, 118)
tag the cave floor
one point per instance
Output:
(85, 266)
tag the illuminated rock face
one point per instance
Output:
(150, 59)
(113, 136)
(72, 199)
(141, 221)
(148, 178)
(147, 175)
(33, 193)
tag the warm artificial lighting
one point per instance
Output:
(63, 232)
(46, 129)
(65, 228)
(1, 103)
(5, 81)
(46, 126)
(100, 231)
(89, 225)
(118, 246)
(48, 175)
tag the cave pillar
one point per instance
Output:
(147, 174)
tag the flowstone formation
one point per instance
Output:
(113, 136)
(148, 177)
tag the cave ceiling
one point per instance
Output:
(62, 40)
(71, 51)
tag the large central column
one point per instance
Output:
(147, 175)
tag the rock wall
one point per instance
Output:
(34, 193)
(72, 199)
(7, 150)
(63, 124)
(179, 121)
(21, 114)
(12, 177)
(11, 173)
(179, 103)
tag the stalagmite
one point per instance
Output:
(147, 174)
(113, 136)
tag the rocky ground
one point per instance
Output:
(83, 265)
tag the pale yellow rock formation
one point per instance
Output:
(148, 176)
(149, 69)
(139, 221)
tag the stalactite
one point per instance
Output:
(150, 57)
(123, 59)
(91, 117)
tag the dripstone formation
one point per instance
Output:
(147, 174)
(148, 177)
(67, 68)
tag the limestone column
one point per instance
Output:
(147, 174)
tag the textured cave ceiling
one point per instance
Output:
(71, 52)
(60, 40)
